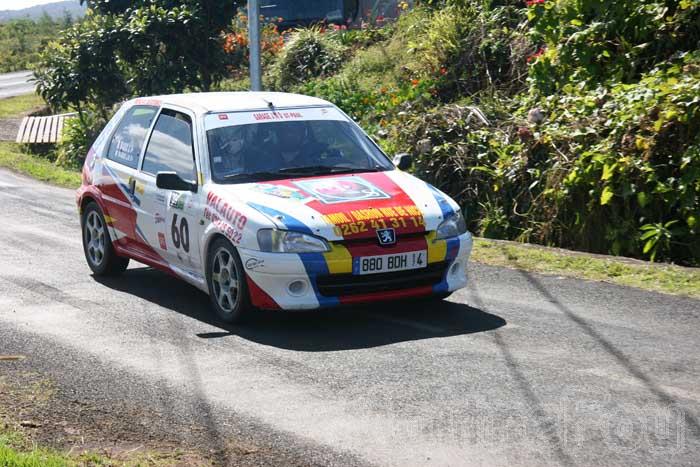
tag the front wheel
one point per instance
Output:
(97, 244)
(228, 289)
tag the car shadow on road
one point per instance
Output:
(313, 331)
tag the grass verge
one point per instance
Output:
(18, 106)
(35, 458)
(16, 450)
(664, 278)
(12, 157)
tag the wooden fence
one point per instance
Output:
(34, 130)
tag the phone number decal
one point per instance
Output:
(357, 221)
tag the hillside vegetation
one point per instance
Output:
(592, 133)
(22, 40)
(571, 123)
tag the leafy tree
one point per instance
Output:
(21, 41)
(178, 40)
(136, 48)
(107, 7)
(80, 69)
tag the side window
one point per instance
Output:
(125, 146)
(170, 147)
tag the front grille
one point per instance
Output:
(371, 241)
(349, 284)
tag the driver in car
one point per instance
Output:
(293, 148)
(228, 151)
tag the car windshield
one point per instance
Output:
(287, 149)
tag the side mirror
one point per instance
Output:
(172, 181)
(403, 161)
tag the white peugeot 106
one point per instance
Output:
(265, 200)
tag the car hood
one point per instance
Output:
(348, 207)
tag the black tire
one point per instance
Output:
(107, 263)
(220, 295)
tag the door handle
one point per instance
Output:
(132, 185)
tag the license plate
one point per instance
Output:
(390, 263)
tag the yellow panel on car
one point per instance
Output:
(338, 260)
(437, 249)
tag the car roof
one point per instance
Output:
(214, 102)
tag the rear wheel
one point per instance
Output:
(228, 289)
(97, 244)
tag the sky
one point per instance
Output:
(19, 4)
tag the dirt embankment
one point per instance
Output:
(50, 416)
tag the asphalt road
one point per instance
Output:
(16, 84)
(519, 369)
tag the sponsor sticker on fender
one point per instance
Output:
(254, 263)
(177, 201)
(225, 218)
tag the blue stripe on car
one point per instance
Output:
(314, 263)
(452, 243)
(445, 207)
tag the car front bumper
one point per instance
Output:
(307, 281)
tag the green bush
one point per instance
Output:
(612, 170)
(310, 53)
(592, 41)
(79, 134)
(472, 47)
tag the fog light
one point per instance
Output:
(455, 269)
(297, 287)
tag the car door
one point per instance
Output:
(173, 229)
(118, 184)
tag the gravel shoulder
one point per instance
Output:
(9, 128)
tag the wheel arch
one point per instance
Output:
(87, 199)
(209, 241)
(90, 196)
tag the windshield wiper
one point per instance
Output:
(323, 169)
(299, 172)
(252, 176)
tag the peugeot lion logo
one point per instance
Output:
(386, 236)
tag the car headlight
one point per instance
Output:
(453, 226)
(287, 241)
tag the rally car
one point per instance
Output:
(268, 201)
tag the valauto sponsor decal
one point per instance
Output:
(341, 189)
(225, 218)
